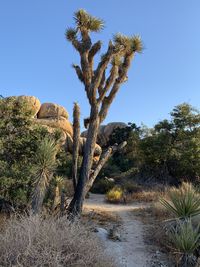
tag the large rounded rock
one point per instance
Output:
(105, 131)
(51, 110)
(60, 123)
(110, 127)
(97, 150)
(82, 141)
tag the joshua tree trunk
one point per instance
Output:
(100, 90)
(105, 157)
(76, 204)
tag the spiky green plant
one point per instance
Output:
(128, 44)
(85, 20)
(43, 171)
(183, 202)
(186, 239)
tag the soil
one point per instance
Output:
(132, 250)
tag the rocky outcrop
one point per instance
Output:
(57, 123)
(51, 110)
(69, 147)
(105, 131)
(53, 116)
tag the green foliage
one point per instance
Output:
(85, 20)
(171, 149)
(19, 141)
(183, 202)
(43, 171)
(185, 237)
(128, 44)
(186, 240)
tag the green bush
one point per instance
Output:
(19, 141)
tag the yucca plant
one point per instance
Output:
(183, 202)
(186, 239)
(43, 171)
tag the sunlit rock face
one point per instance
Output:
(51, 110)
(105, 131)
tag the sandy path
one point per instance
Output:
(131, 251)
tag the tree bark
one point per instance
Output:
(104, 158)
(76, 139)
(75, 206)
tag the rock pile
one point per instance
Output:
(105, 131)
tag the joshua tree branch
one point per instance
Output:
(93, 51)
(76, 138)
(122, 76)
(109, 82)
(101, 68)
(78, 72)
(102, 83)
(104, 158)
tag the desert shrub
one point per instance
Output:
(183, 202)
(34, 241)
(159, 211)
(131, 187)
(144, 196)
(115, 195)
(102, 186)
(186, 240)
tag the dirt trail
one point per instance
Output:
(131, 251)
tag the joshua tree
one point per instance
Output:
(100, 87)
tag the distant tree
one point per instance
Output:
(100, 87)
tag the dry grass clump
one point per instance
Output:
(34, 241)
(159, 212)
(144, 196)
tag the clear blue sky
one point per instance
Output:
(35, 58)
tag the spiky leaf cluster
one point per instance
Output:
(70, 34)
(84, 20)
(46, 156)
(127, 44)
